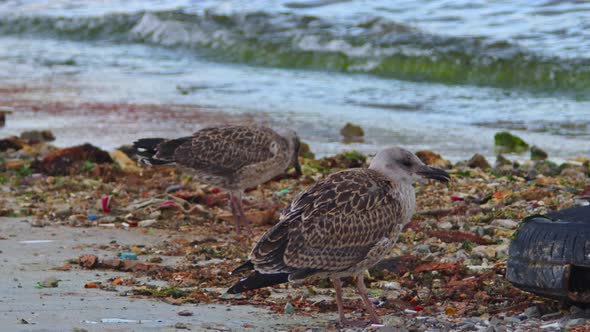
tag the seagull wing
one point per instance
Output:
(331, 226)
(225, 150)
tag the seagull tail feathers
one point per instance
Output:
(157, 151)
(258, 280)
(248, 266)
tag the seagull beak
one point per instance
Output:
(297, 167)
(434, 173)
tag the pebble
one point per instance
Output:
(146, 223)
(575, 322)
(422, 248)
(185, 313)
(505, 223)
(576, 311)
(181, 326)
(484, 251)
(289, 309)
(392, 285)
(551, 326)
(50, 282)
(502, 251)
(553, 315)
(532, 312)
(445, 225)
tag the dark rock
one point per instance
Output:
(72, 160)
(305, 151)
(433, 159)
(575, 322)
(10, 143)
(538, 154)
(546, 167)
(501, 161)
(185, 313)
(352, 133)
(506, 142)
(37, 136)
(478, 161)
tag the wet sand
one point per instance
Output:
(71, 306)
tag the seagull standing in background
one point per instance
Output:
(230, 157)
(340, 227)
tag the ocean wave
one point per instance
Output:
(371, 46)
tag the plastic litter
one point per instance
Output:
(128, 255)
(105, 203)
(146, 223)
(283, 191)
(35, 241)
(173, 188)
(92, 217)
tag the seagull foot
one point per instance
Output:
(353, 323)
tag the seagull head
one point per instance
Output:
(294, 146)
(401, 165)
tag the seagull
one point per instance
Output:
(340, 227)
(230, 157)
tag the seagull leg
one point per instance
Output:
(360, 284)
(241, 214)
(234, 211)
(343, 322)
(338, 288)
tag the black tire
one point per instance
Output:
(550, 255)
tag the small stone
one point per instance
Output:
(181, 326)
(553, 315)
(505, 223)
(37, 136)
(573, 173)
(546, 167)
(352, 133)
(445, 225)
(124, 162)
(538, 154)
(555, 325)
(575, 322)
(506, 142)
(305, 151)
(50, 282)
(289, 309)
(185, 313)
(422, 248)
(484, 251)
(478, 161)
(502, 161)
(432, 159)
(532, 312)
(23, 321)
(392, 285)
(501, 251)
(576, 311)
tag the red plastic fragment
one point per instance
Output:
(105, 201)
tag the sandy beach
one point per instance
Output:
(446, 273)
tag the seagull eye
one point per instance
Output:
(407, 163)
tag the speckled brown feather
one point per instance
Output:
(220, 150)
(233, 157)
(332, 227)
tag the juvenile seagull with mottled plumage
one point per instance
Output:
(340, 227)
(230, 157)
